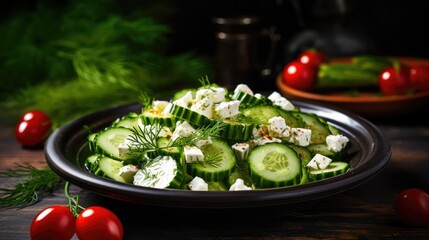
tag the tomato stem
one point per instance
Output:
(73, 201)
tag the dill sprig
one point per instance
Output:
(144, 140)
(213, 159)
(26, 193)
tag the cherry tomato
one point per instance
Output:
(419, 77)
(412, 207)
(98, 223)
(55, 222)
(298, 75)
(33, 128)
(312, 57)
(394, 80)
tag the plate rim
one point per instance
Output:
(55, 156)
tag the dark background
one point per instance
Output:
(390, 28)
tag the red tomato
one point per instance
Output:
(394, 80)
(312, 57)
(419, 77)
(33, 128)
(96, 222)
(412, 207)
(299, 76)
(55, 222)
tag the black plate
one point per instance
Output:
(368, 152)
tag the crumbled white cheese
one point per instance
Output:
(159, 105)
(319, 162)
(204, 107)
(258, 95)
(300, 136)
(278, 127)
(167, 109)
(239, 185)
(267, 139)
(243, 88)
(183, 129)
(127, 172)
(280, 101)
(336, 142)
(228, 109)
(157, 174)
(125, 146)
(193, 154)
(241, 150)
(184, 101)
(203, 142)
(198, 184)
(216, 94)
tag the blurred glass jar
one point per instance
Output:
(236, 50)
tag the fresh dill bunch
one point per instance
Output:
(144, 142)
(36, 181)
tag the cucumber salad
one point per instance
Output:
(212, 139)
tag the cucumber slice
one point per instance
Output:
(160, 172)
(305, 155)
(109, 168)
(107, 142)
(219, 162)
(189, 115)
(334, 130)
(92, 164)
(152, 116)
(127, 121)
(217, 186)
(237, 130)
(333, 169)
(92, 142)
(248, 99)
(274, 165)
(319, 130)
(325, 151)
(291, 120)
(241, 171)
(260, 113)
(166, 150)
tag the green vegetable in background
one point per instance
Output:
(76, 58)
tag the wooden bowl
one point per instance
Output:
(367, 104)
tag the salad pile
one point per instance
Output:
(212, 139)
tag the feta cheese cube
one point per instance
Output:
(336, 142)
(185, 100)
(280, 101)
(241, 150)
(278, 127)
(267, 139)
(228, 109)
(300, 136)
(127, 172)
(258, 95)
(203, 142)
(198, 184)
(238, 185)
(204, 107)
(167, 109)
(319, 162)
(216, 94)
(159, 105)
(193, 154)
(243, 88)
(183, 129)
(125, 146)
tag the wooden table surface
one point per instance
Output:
(364, 212)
